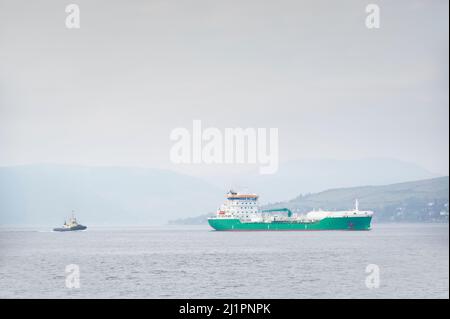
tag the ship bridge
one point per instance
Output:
(231, 195)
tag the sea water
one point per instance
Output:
(390, 261)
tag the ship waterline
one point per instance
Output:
(240, 212)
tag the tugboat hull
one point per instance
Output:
(78, 227)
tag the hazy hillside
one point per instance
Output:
(312, 176)
(412, 201)
(46, 194)
(425, 200)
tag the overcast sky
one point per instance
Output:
(110, 92)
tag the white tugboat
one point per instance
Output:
(72, 225)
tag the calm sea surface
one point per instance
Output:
(195, 262)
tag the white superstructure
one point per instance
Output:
(241, 206)
(245, 208)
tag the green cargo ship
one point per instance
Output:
(240, 212)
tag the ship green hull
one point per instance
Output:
(336, 223)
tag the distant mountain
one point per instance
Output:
(424, 200)
(196, 220)
(312, 176)
(46, 194)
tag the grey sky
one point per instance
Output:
(110, 92)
